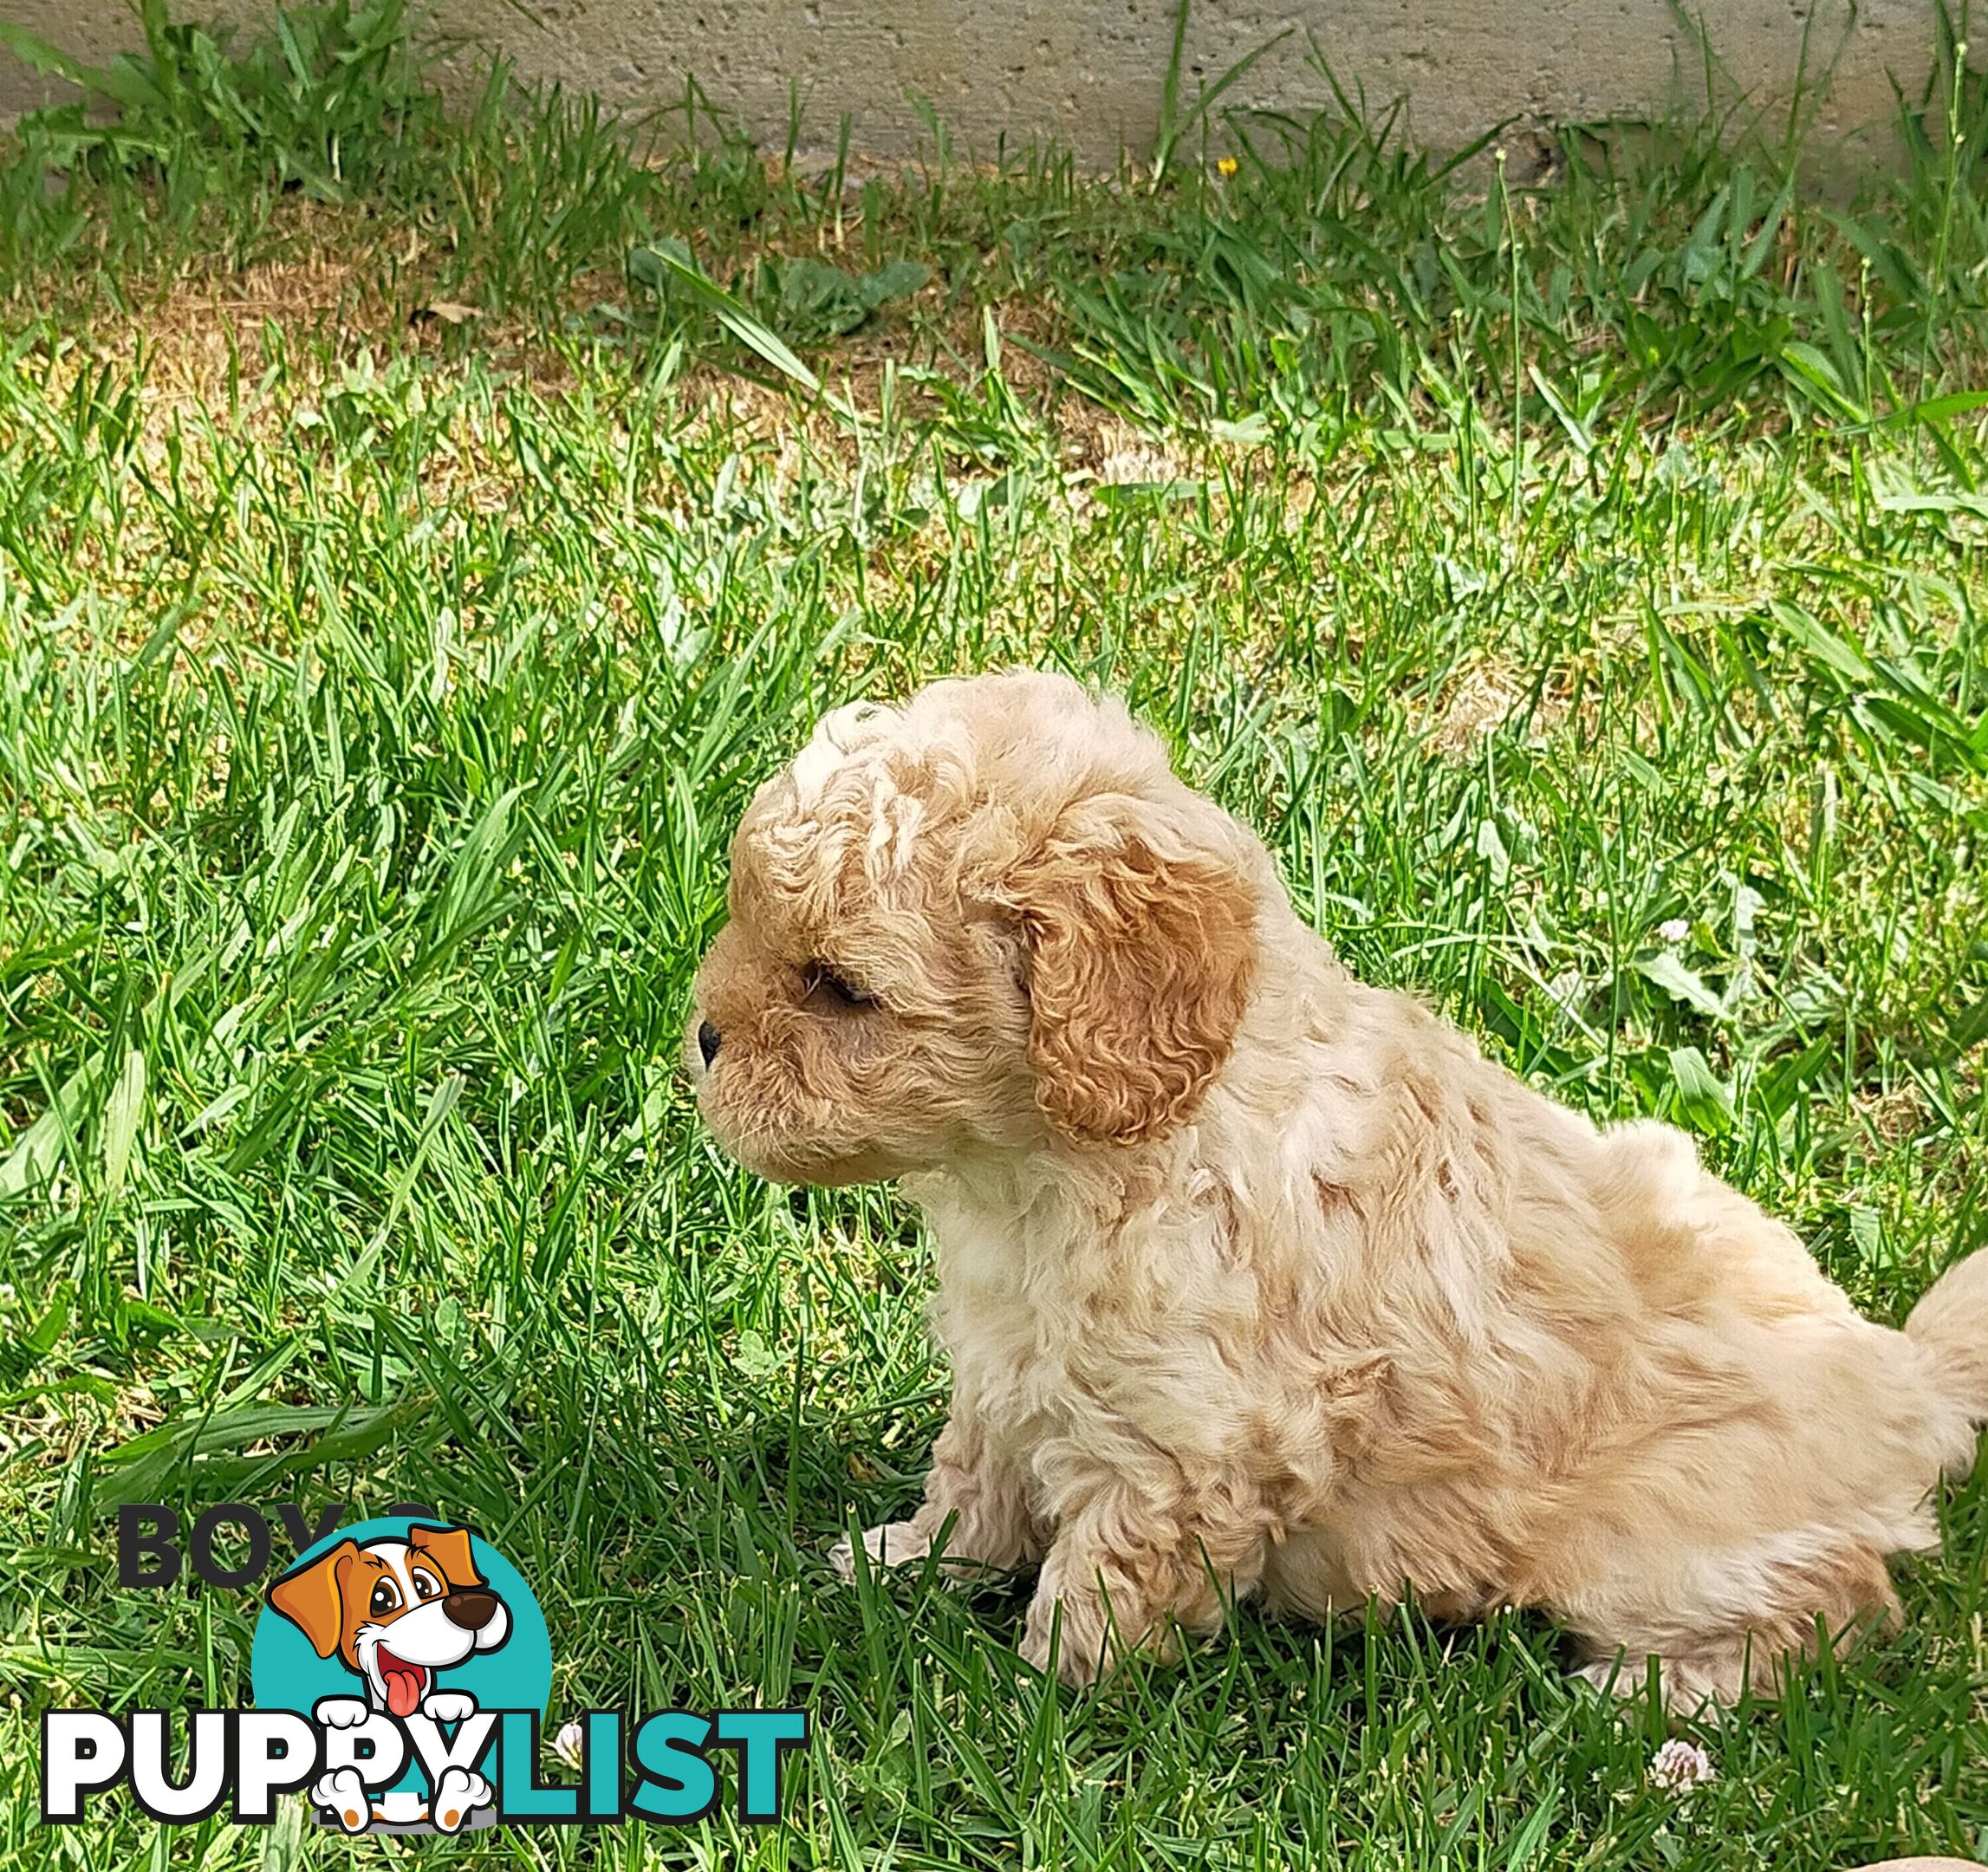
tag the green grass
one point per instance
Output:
(1534, 571)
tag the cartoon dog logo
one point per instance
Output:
(396, 1613)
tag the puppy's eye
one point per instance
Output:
(386, 1598)
(818, 979)
(426, 1586)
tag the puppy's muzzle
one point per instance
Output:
(470, 1609)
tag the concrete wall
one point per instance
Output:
(1088, 73)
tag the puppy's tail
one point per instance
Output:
(1952, 1324)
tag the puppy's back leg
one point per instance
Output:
(1709, 1651)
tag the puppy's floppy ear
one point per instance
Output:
(310, 1598)
(449, 1548)
(1141, 950)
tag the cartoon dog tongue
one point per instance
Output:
(404, 1682)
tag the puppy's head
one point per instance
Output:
(992, 913)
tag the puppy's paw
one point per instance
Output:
(892, 1545)
(340, 1712)
(457, 1794)
(1612, 1675)
(342, 1795)
(1070, 1634)
(448, 1705)
(1689, 1686)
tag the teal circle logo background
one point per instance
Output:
(285, 1673)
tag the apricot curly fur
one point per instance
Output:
(1258, 1281)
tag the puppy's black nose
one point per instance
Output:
(707, 1040)
(470, 1609)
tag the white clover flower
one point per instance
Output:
(1679, 1766)
(569, 1745)
(1674, 930)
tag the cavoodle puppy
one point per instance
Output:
(1258, 1281)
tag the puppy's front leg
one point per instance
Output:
(1136, 1561)
(977, 1486)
